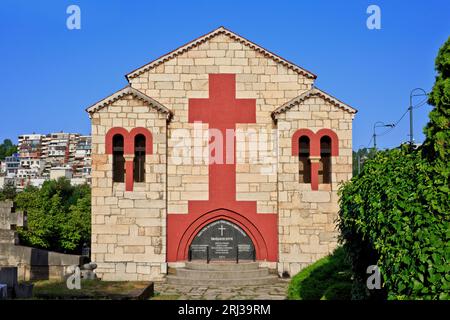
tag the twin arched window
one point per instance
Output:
(311, 149)
(119, 159)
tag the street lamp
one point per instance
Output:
(411, 95)
(379, 124)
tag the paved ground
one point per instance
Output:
(277, 291)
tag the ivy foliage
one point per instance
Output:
(396, 213)
(437, 131)
(59, 216)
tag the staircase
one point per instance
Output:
(221, 274)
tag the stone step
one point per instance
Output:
(222, 282)
(214, 274)
(222, 266)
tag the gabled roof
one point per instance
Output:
(221, 30)
(314, 92)
(136, 94)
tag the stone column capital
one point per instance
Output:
(314, 159)
(128, 157)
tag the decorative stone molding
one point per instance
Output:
(210, 35)
(128, 90)
(314, 92)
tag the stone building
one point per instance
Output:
(217, 149)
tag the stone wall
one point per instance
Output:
(186, 76)
(128, 227)
(9, 220)
(38, 264)
(307, 228)
(32, 263)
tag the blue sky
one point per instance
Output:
(51, 74)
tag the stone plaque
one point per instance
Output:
(222, 239)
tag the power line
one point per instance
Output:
(369, 142)
(420, 104)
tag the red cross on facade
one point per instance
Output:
(222, 111)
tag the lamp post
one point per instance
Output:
(379, 124)
(411, 95)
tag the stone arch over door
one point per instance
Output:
(221, 240)
(222, 214)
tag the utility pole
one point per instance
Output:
(411, 95)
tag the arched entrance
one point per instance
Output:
(222, 240)
(260, 228)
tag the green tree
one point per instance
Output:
(8, 192)
(58, 216)
(7, 148)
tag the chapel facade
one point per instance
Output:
(217, 149)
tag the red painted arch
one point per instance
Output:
(314, 141)
(109, 139)
(314, 149)
(187, 234)
(334, 140)
(128, 141)
(300, 133)
(148, 138)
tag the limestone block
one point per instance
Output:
(316, 196)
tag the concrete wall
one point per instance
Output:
(38, 264)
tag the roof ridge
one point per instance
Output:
(314, 91)
(220, 30)
(128, 89)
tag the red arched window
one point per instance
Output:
(303, 159)
(118, 158)
(325, 160)
(139, 158)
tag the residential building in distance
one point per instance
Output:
(42, 157)
(12, 165)
(82, 158)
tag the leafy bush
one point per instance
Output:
(327, 279)
(396, 213)
(338, 291)
(59, 216)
